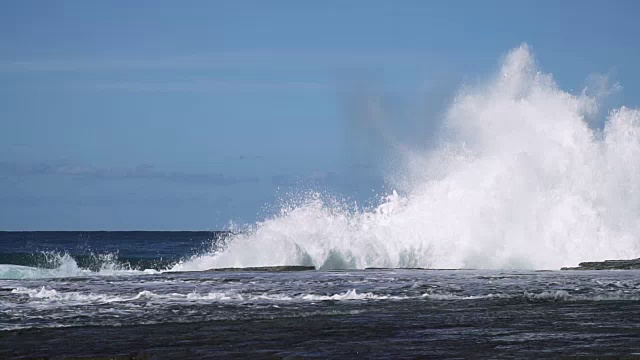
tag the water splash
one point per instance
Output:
(521, 181)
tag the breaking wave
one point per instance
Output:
(62, 265)
(522, 179)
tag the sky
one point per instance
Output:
(189, 115)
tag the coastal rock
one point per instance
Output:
(633, 264)
(269, 268)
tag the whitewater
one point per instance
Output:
(522, 178)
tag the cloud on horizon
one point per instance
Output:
(143, 171)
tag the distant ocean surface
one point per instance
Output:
(79, 294)
(98, 251)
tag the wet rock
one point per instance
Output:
(269, 268)
(633, 264)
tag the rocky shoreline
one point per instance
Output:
(267, 268)
(633, 264)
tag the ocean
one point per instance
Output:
(90, 294)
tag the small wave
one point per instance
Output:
(447, 296)
(621, 284)
(549, 295)
(52, 295)
(352, 295)
(544, 296)
(59, 298)
(56, 265)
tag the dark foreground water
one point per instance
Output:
(58, 308)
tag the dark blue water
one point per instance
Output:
(84, 294)
(127, 249)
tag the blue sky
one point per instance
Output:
(188, 114)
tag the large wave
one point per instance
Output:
(521, 180)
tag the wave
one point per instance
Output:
(62, 265)
(522, 179)
(90, 261)
(60, 298)
(64, 298)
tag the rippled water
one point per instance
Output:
(325, 313)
